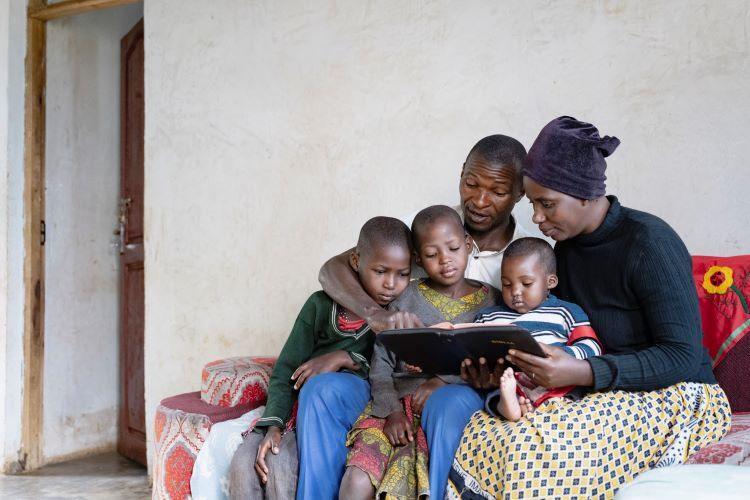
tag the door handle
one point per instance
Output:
(123, 221)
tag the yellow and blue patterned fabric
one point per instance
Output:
(587, 448)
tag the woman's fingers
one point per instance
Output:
(515, 356)
(526, 367)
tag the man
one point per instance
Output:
(490, 186)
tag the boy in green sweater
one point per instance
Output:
(326, 337)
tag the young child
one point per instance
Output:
(527, 276)
(388, 449)
(325, 338)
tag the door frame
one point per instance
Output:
(38, 13)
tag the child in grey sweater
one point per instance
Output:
(388, 450)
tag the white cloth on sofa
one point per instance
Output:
(210, 478)
(683, 482)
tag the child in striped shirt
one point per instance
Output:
(527, 276)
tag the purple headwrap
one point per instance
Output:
(568, 156)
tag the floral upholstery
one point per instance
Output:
(235, 381)
(723, 286)
(734, 449)
(182, 423)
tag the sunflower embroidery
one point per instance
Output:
(718, 280)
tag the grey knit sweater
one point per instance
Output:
(389, 379)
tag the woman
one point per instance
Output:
(653, 399)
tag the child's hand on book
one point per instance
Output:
(423, 392)
(382, 320)
(270, 442)
(331, 362)
(398, 429)
(412, 369)
(445, 325)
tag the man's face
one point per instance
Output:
(488, 193)
(384, 271)
(558, 215)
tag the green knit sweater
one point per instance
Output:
(315, 332)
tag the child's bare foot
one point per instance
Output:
(525, 404)
(508, 405)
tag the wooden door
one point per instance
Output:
(131, 440)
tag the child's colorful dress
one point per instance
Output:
(402, 471)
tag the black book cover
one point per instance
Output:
(440, 351)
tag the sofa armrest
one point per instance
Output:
(237, 381)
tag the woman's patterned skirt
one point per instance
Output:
(587, 448)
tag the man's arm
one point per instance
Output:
(341, 283)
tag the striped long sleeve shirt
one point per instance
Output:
(554, 322)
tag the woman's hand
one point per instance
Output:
(392, 320)
(423, 392)
(398, 429)
(558, 369)
(270, 442)
(331, 362)
(480, 377)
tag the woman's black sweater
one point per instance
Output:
(633, 276)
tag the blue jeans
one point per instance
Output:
(329, 404)
(444, 417)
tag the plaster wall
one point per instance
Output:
(4, 39)
(12, 52)
(275, 129)
(81, 365)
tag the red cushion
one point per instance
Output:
(191, 402)
(723, 286)
(234, 381)
(733, 449)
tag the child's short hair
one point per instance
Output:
(533, 246)
(430, 215)
(383, 231)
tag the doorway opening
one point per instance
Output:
(84, 173)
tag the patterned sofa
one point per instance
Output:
(234, 386)
(229, 388)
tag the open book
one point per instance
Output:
(437, 350)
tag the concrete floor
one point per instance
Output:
(98, 477)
